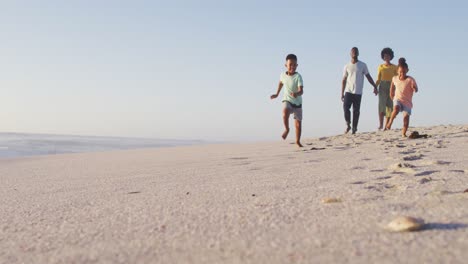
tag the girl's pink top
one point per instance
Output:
(404, 90)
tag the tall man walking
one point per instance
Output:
(351, 89)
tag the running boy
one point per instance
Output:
(402, 90)
(386, 71)
(292, 96)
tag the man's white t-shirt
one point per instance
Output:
(355, 72)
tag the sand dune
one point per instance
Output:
(329, 202)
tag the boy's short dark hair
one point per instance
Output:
(387, 51)
(291, 57)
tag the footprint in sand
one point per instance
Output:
(400, 145)
(315, 148)
(439, 144)
(357, 182)
(402, 168)
(383, 178)
(437, 162)
(406, 152)
(358, 168)
(425, 173)
(379, 187)
(239, 158)
(459, 171)
(413, 157)
(341, 148)
(425, 180)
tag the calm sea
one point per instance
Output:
(21, 145)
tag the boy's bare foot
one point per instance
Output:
(285, 134)
(299, 144)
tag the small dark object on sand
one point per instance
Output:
(466, 191)
(314, 148)
(254, 195)
(415, 134)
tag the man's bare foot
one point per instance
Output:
(404, 135)
(285, 134)
(299, 144)
(347, 130)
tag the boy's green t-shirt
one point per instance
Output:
(291, 85)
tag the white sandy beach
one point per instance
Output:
(244, 203)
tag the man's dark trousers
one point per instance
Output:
(355, 101)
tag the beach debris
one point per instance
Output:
(253, 195)
(331, 200)
(465, 191)
(187, 193)
(415, 135)
(425, 180)
(405, 224)
(134, 192)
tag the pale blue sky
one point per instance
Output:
(206, 69)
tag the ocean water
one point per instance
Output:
(21, 145)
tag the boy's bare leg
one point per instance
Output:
(381, 118)
(298, 132)
(286, 123)
(396, 109)
(405, 124)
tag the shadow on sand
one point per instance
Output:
(445, 226)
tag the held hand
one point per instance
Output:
(376, 92)
(273, 96)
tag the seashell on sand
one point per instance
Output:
(405, 224)
(331, 200)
